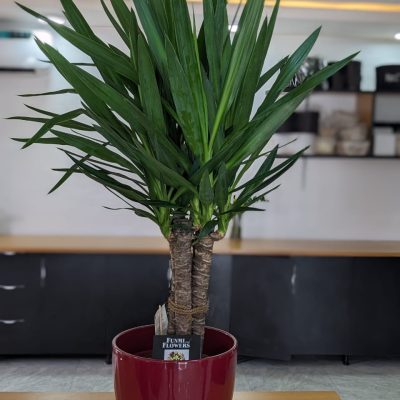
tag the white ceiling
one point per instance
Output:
(371, 25)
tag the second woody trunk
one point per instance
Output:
(191, 267)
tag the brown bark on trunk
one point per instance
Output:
(201, 271)
(171, 314)
(180, 243)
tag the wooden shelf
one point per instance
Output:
(111, 396)
(158, 245)
(335, 156)
(340, 92)
(386, 124)
(369, 92)
(394, 93)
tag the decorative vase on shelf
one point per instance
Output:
(236, 231)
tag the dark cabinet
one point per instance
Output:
(20, 283)
(135, 287)
(72, 304)
(220, 293)
(316, 306)
(375, 307)
(75, 304)
(262, 305)
(275, 306)
(321, 305)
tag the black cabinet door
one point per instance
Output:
(135, 286)
(220, 292)
(20, 287)
(261, 306)
(72, 305)
(375, 307)
(322, 314)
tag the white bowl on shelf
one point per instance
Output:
(353, 148)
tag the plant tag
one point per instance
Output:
(161, 321)
(177, 347)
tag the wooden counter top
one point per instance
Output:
(111, 396)
(158, 245)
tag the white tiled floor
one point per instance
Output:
(362, 380)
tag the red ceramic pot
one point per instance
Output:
(137, 377)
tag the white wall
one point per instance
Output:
(26, 176)
(333, 199)
(330, 199)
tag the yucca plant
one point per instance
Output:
(172, 129)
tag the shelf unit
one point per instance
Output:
(365, 107)
(389, 124)
(381, 119)
(365, 103)
(335, 156)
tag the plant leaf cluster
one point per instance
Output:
(169, 121)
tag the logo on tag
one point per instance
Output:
(176, 347)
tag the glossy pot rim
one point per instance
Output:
(117, 350)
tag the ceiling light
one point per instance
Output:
(233, 28)
(397, 36)
(55, 18)
(350, 5)
(44, 36)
